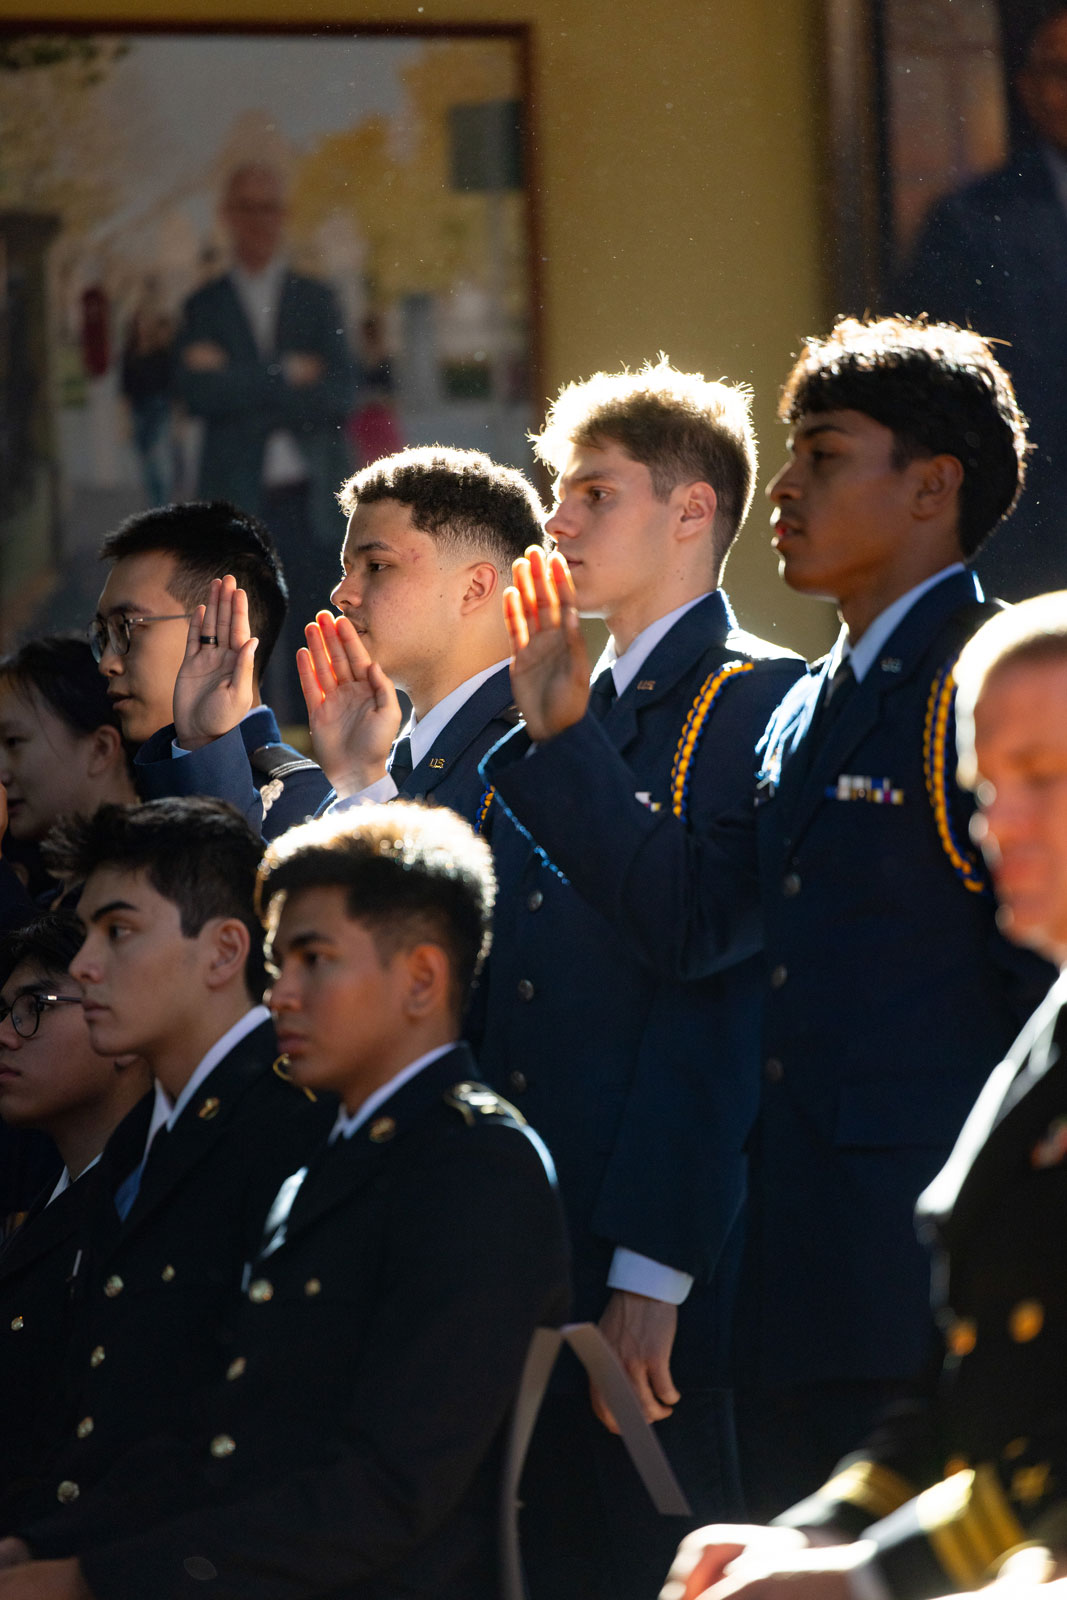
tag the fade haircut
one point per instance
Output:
(1031, 633)
(49, 941)
(939, 389)
(208, 539)
(410, 874)
(197, 852)
(461, 498)
(60, 670)
(677, 424)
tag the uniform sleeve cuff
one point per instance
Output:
(637, 1274)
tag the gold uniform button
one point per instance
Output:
(222, 1445)
(168, 1274)
(84, 1428)
(260, 1290)
(114, 1286)
(382, 1129)
(67, 1492)
(1026, 1321)
(962, 1337)
(313, 1287)
(956, 1464)
(97, 1356)
(236, 1368)
(17, 1324)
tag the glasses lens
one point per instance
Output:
(96, 633)
(26, 1014)
(113, 631)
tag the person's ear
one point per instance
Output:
(937, 484)
(105, 750)
(696, 505)
(482, 582)
(228, 945)
(429, 980)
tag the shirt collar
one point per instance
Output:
(165, 1111)
(624, 668)
(422, 731)
(348, 1122)
(863, 653)
(65, 1180)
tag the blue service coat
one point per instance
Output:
(271, 784)
(614, 1063)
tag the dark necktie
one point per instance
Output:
(130, 1187)
(400, 766)
(602, 693)
(835, 697)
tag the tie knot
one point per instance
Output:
(602, 692)
(400, 766)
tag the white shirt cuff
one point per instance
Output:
(375, 793)
(639, 1274)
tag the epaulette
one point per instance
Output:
(279, 761)
(474, 1100)
(511, 715)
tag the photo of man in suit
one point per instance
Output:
(971, 1463)
(264, 362)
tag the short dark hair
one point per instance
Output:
(939, 389)
(60, 670)
(208, 539)
(410, 873)
(462, 498)
(50, 940)
(677, 424)
(198, 852)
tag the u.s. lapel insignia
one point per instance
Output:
(891, 664)
(437, 763)
(270, 792)
(646, 684)
(209, 1108)
(381, 1130)
(1051, 1148)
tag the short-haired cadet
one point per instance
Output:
(888, 992)
(654, 475)
(352, 1444)
(192, 608)
(52, 1080)
(973, 1465)
(432, 534)
(169, 969)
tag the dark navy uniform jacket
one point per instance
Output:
(271, 784)
(643, 1087)
(351, 1445)
(985, 1440)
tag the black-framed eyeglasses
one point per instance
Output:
(116, 630)
(25, 1011)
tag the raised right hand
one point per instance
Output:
(549, 661)
(353, 712)
(704, 1555)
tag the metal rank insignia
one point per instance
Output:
(876, 791)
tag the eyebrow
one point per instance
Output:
(588, 477)
(112, 905)
(300, 940)
(372, 544)
(813, 429)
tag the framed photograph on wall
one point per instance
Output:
(385, 172)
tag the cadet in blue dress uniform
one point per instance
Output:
(654, 477)
(185, 684)
(351, 1447)
(974, 1461)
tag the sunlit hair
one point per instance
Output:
(677, 424)
(198, 852)
(1032, 633)
(461, 498)
(410, 874)
(939, 389)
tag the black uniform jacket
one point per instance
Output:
(976, 1463)
(351, 1448)
(151, 1290)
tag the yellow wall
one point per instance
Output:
(679, 200)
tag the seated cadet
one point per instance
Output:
(432, 534)
(654, 477)
(170, 969)
(974, 1463)
(53, 1080)
(888, 993)
(163, 563)
(353, 1447)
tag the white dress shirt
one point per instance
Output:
(348, 1121)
